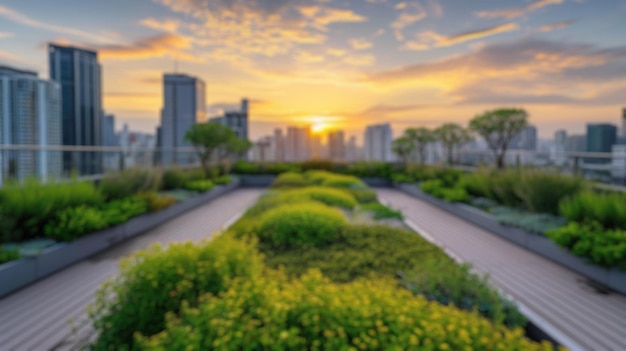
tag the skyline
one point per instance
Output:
(347, 63)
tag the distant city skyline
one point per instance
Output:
(344, 64)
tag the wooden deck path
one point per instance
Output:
(557, 299)
(51, 315)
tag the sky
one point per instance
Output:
(343, 64)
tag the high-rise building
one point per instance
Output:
(353, 152)
(279, 145)
(316, 147)
(378, 140)
(183, 106)
(236, 120)
(575, 143)
(337, 146)
(30, 114)
(108, 131)
(79, 74)
(559, 149)
(298, 144)
(600, 138)
(525, 140)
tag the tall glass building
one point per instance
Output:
(79, 74)
(600, 138)
(30, 114)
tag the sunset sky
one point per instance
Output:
(343, 63)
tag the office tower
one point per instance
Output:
(108, 131)
(337, 146)
(559, 149)
(236, 120)
(183, 106)
(30, 114)
(378, 140)
(79, 74)
(279, 145)
(353, 153)
(600, 138)
(575, 143)
(316, 147)
(525, 140)
(298, 144)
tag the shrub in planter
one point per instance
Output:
(455, 194)
(223, 180)
(155, 202)
(199, 185)
(7, 255)
(127, 183)
(607, 209)
(341, 181)
(542, 191)
(504, 186)
(26, 209)
(538, 223)
(290, 180)
(155, 281)
(72, 223)
(605, 247)
(328, 196)
(433, 187)
(313, 314)
(402, 178)
(381, 211)
(363, 196)
(120, 211)
(300, 225)
(478, 184)
(173, 178)
(370, 169)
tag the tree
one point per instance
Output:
(452, 136)
(499, 127)
(208, 138)
(233, 146)
(420, 137)
(403, 147)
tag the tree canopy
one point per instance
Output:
(452, 136)
(214, 141)
(498, 128)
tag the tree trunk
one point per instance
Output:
(500, 161)
(450, 156)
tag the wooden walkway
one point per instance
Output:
(51, 314)
(555, 298)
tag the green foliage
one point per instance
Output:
(448, 283)
(402, 178)
(608, 209)
(300, 225)
(538, 223)
(483, 203)
(334, 180)
(542, 191)
(403, 147)
(504, 186)
(127, 183)
(173, 178)
(199, 185)
(311, 313)
(420, 138)
(290, 180)
(317, 165)
(479, 183)
(223, 180)
(209, 139)
(499, 127)
(7, 255)
(452, 136)
(605, 247)
(243, 167)
(156, 202)
(381, 211)
(437, 189)
(369, 169)
(155, 281)
(328, 196)
(26, 209)
(363, 196)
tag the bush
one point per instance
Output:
(223, 180)
(155, 202)
(455, 194)
(313, 314)
(433, 187)
(437, 189)
(503, 188)
(157, 280)
(370, 169)
(300, 225)
(7, 255)
(199, 185)
(173, 178)
(478, 184)
(538, 223)
(328, 196)
(402, 178)
(542, 191)
(127, 183)
(120, 211)
(290, 180)
(243, 167)
(363, 196)
(382, 212)
(26, 209)
(609, 210)
(605, 247)
(72, 223)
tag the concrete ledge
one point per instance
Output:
(17, 274)
(613, 278)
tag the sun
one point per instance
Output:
(319, 127)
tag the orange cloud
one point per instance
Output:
(430, 39)
(5, 35)
(157, 46)
(411, 13)
(360, 44)
(170, 26)
(308, 57)
(558, 25)
(517, 12)
(360, 60)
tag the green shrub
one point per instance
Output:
(223, 180)
(26, 209)
(290, 180)
(538, 223)
(173, 178)
(605, 247)
(542, 191)
(120, 211)
(381, 211)
(72, 223)
(127, 183)
(155, 281)
(199, 185)
(363, 196)
(317, 165)
(7, 255)
(311, 313)
(433, 187)
(156, 202)
(300, 225)
(478, 184)
(402, 178)
(449, 283)
(370, 169)
(328, 196)
(338, 181)
(455, 194)
(504, 186)
(608, 209)
(243, 167)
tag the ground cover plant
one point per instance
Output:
(314, 281)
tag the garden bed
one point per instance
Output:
(612, 278)
(18, 273)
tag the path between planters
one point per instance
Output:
(555, 298)
(51, 314)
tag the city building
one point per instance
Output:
(30, 114)
(559, 147)
(624, 123)
(618, 164)
(279, 145)
(337, 146)
(525, 140)
(377, 143)
(353, 152)
(575, 143)
(137, 149)
(600, 138)
(298, 144)
(317, 148)
(184, 104)
(236, 120)
(79, 74)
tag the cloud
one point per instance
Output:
(411, 12)
(557, 25)
(360, 60)
(308, 57)
(435, 8)
(171, 45)
(430, 39)
(6, 35)
(517, 12)
(8, 56)
(360, 44)
(21, 18)
(170, 25)
(336, 52)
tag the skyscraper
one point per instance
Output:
(108, 131)
(600, 138)
(79, 74)
(560, 140)
(236, 120)
(298, 144)
(337, 146)
(184, 104)
(30, 114)
(279, 142)
(378, 143)
(525, 140)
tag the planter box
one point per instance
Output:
(17, 274)
(613, 278)
(377, 182)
